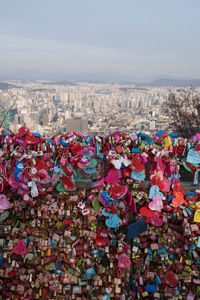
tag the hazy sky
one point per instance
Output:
(138, 38)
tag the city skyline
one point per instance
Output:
(138, 40)
(50, 108)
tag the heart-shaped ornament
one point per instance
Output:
(146, 212)
(44, 176)
(13, 183)
(197, 216)
(113, 176)
(139, 176)
(126, 162)
(170, 279)
(76, 148)
(22, 131)
(167, 142)
(177, 188)
(154, 190)
(45, 180)
(147, 139)
(20, 248)
(101, 241)
(68, 184)
(4, 203)
(124, 261)
(112, 221)
(118, 191)
(136, 164)
(157, 203)
(165, 185)
(155, 220)
(157, 174)
(105, 213)
(116, 163)
(31, 139)
(155, 180)
(193, 157)
(178, 199)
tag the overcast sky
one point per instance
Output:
(137, 38)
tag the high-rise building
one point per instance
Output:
(77, 125)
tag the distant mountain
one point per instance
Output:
(93, 77)
(65, 82)
(5, 86)
(104, 77)
(101, 77)
(172, 83)
(109, 77)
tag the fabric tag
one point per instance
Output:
(136, 228)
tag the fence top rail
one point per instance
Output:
(40, 162)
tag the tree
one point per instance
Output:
(4, 112)
(183, 109)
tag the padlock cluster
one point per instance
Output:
(99, 217)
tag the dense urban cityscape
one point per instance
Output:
(50, 108)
